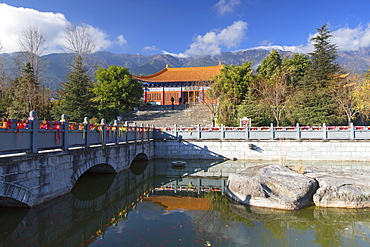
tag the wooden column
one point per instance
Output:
(163, 96)
(181, 96)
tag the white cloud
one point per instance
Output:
(120, 40)
(100, 39)
(347, 39)
(211, 42)
(179, 55)
(150, 48)
(266, 42)
(352, 39)
(226, 6)
(13, 20)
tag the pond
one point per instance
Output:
(155, 205)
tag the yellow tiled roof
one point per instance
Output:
(187, 74)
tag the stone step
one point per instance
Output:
(164, 115)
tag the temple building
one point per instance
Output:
(184, 85)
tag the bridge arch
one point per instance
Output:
(14, 195)
(140, 157)
(139, 164)
(99, 165)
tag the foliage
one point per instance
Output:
(270, 94)
(251, 108)
(270, 65)
(275, 94)
(361, 95)
(75, 98)
(230, 88)
(344, 88)
(4, 83)
(296, 66)
(314, 103)
(24, 94)
(115, 90)
(323, 67)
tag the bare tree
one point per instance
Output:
(32, 42)
(79, 42)
(275, 94)
(343, 89)
(4, 77)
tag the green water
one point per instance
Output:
(128, 209)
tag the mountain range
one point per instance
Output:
(56, 66)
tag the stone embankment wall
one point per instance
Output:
(341, 150)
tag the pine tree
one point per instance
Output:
(314, 103)
(25, 94)
(323, 66)
(75, 98)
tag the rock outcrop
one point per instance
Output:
(271, 186)
(276, 186)
(349, 188)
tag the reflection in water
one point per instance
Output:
(10, 219)
(138, 166)
(91, 186)
(174, 210)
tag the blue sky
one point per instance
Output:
(186, 28)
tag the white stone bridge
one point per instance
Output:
(42, 160)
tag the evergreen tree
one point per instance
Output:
(25, 94)
(75, 98)
(314, 103)
(323, 66)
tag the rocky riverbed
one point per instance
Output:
(277, 186)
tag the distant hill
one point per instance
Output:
(57, 65)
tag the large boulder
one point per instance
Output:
(272, 186)
(341, 188)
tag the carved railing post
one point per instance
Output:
(64, 120)
(298, 129)
(199, 132)
(103, 129)
(116, 126)
(176, 133)
(352, 131)
(272, 132)
(324, 132)
(35, 131)
(247, 134)
(126, 131)
(222, 132)
(87, 132)
(135, 132)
